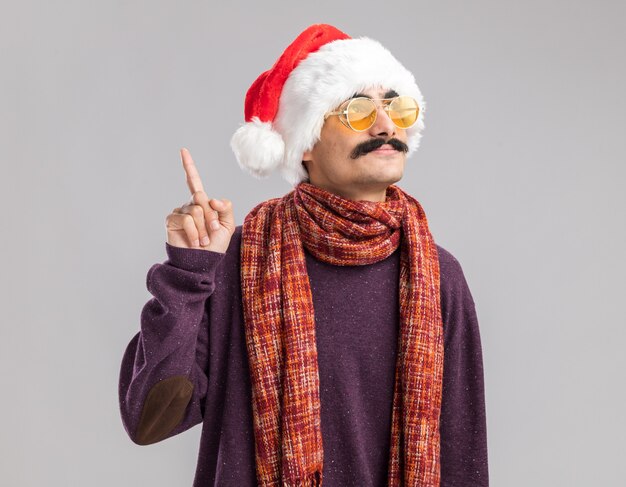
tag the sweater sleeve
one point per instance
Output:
(163, 376)
(463, 425)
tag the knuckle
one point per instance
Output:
(169, 219)
(198, 195)
(197, 211)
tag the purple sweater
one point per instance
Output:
(188, 365)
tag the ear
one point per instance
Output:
(307, 155)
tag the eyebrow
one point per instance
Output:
(389, 94)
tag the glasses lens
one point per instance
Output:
(361, 113)
(403, 111)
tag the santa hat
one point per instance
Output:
(285, 106)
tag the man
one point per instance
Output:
(328, 340)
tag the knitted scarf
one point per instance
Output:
(280, 328)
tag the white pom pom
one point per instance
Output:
(259, 149)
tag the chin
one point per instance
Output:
(382, 178)
(388, 166)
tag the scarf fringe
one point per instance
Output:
(314, 480)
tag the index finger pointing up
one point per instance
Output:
(193, 177)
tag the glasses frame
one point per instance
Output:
(386, 102)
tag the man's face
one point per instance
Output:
(331, 165)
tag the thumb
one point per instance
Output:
(224, 208)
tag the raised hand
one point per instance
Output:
(201, 223)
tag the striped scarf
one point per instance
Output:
(280, 328)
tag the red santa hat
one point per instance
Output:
(285, 106)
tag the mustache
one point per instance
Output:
(373, 144)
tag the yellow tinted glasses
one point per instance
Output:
(360, 113)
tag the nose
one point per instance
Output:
(383, 126)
